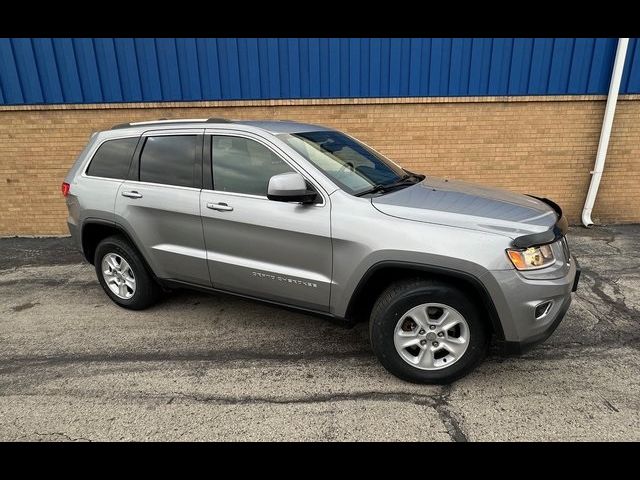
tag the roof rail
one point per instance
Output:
(218, 120)
(121, 125)
(168, 120)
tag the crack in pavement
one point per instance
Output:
(610, 406)
(415, 398)
(448, 418)
(614, 304)
(60, 434)
(49, 282)
(427, 400)
(439, 402)
(24, 306)
(609, 242)
(12, 364)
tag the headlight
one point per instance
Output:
(531, 258)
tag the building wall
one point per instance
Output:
(540, 145)
(96, 70)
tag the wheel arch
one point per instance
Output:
(94, 230)
(382, 274)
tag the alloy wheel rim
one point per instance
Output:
(118, 276)
(431, 336)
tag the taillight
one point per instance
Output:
(65, 189)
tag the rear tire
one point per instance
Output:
(123, 274)
(446, 334)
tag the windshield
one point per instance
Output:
(351, 165)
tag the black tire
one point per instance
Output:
(398, 299)
(147, 291)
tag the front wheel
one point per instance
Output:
(425, 331)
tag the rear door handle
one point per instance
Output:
(132, 194)
(222, 207)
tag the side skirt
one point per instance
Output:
(171, 284)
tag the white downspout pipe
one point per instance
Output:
(609, 111)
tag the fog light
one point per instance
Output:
(543, 309)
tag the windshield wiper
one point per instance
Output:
(375, 189)
(385, 187)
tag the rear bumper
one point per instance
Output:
(74, 230)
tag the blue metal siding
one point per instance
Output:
(85, 70)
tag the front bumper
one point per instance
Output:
(519, 347)
(577, 277)
(520, 297)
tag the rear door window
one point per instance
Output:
(169, 159)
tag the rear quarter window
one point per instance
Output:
(112, 159)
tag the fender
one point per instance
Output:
(121, 229)
(475, 282)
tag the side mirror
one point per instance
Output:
(290, 187)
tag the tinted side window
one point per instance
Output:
(169, 159)
(113, 158)
(241, 165)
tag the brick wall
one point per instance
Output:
(539, 145)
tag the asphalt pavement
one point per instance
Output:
(75, 367)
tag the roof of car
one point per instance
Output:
(283, 126)
(271, 126)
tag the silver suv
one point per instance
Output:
(309, 217)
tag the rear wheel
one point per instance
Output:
(425, 331)
(123, 274)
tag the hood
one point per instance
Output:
(462, 204)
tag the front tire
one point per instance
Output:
(425, 331)
(123, 274)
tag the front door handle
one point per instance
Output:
(222, 207)
(132, 194)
